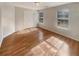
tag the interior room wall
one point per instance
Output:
(35, 18)
(8, 20)
(50, 20)
(19, 18)
(0, 28)
(25, 18)
(30, 18)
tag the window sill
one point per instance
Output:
(63, 28)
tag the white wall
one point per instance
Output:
(35, 18)
(0, 28)
(19, 18)
(50, 20)
(25, 18)
(30, 18)
(8, 20)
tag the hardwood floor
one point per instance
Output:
(38, 42)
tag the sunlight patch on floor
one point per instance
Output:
(50, 47)
(43, 49)
(56, 42)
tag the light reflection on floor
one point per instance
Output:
(42, 49)
(40, 36)
(65, 50)
(50, 47)
(27, 31)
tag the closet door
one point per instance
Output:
(19, 18)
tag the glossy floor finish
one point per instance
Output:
(38, 42)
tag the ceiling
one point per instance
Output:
(36, 5)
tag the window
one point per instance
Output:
(63, 18)
(41, 17)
